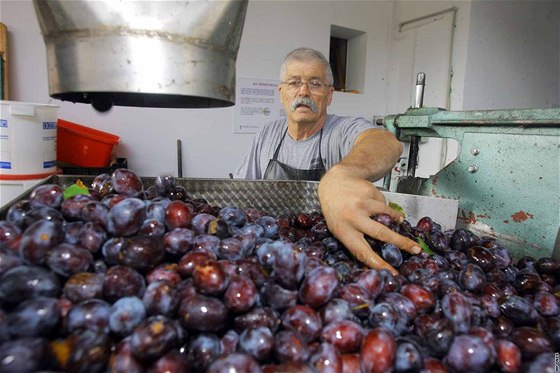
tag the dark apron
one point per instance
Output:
(276, 170)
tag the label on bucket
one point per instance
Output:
(49, 125)
(5, 165)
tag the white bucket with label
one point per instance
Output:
(27, 140)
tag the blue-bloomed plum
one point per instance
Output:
(36, 317)
(126, 217)
(92, 314)
(125, 315)
(127, 183)
(25, 282)
(122, 281)
(38, 239)
(154, 337)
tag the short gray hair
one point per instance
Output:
(307, 55)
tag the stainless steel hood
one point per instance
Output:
(173, 54)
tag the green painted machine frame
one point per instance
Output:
(507, 174)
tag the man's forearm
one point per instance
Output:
(374, 154)
(348, 198)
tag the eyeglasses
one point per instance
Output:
(315, 85)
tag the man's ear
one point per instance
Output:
(331, 92)
(280, 93)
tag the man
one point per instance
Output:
(345, 154)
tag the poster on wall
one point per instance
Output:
(257, 102)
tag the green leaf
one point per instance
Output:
(75, 189)
(397, 208)
(424, 246)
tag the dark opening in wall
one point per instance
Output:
(337, 58)
(347, 57)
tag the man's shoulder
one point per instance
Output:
(272, 129)
(338, 120)
(274, 125)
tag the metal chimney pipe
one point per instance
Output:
(173, 54)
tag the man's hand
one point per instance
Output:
(348, 203)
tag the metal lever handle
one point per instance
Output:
(415, 140)
(420, 83)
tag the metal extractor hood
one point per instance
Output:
(168, 54)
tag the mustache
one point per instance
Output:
(307, 101)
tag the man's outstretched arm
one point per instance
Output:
(349, 199)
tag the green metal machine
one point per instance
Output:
(506, 177)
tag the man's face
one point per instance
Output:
(305, 72)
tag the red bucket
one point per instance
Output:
(84, 146)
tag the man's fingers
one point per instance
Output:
(377, 195)
(376, 207)
(382, 233)
(359, 247)
(379, 205)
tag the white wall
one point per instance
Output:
(513, 59)
(272, 29)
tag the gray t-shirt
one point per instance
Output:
(339, 135)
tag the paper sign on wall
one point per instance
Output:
(257, 102)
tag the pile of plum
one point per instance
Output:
(128, 278)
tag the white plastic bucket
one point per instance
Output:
(27, 140)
